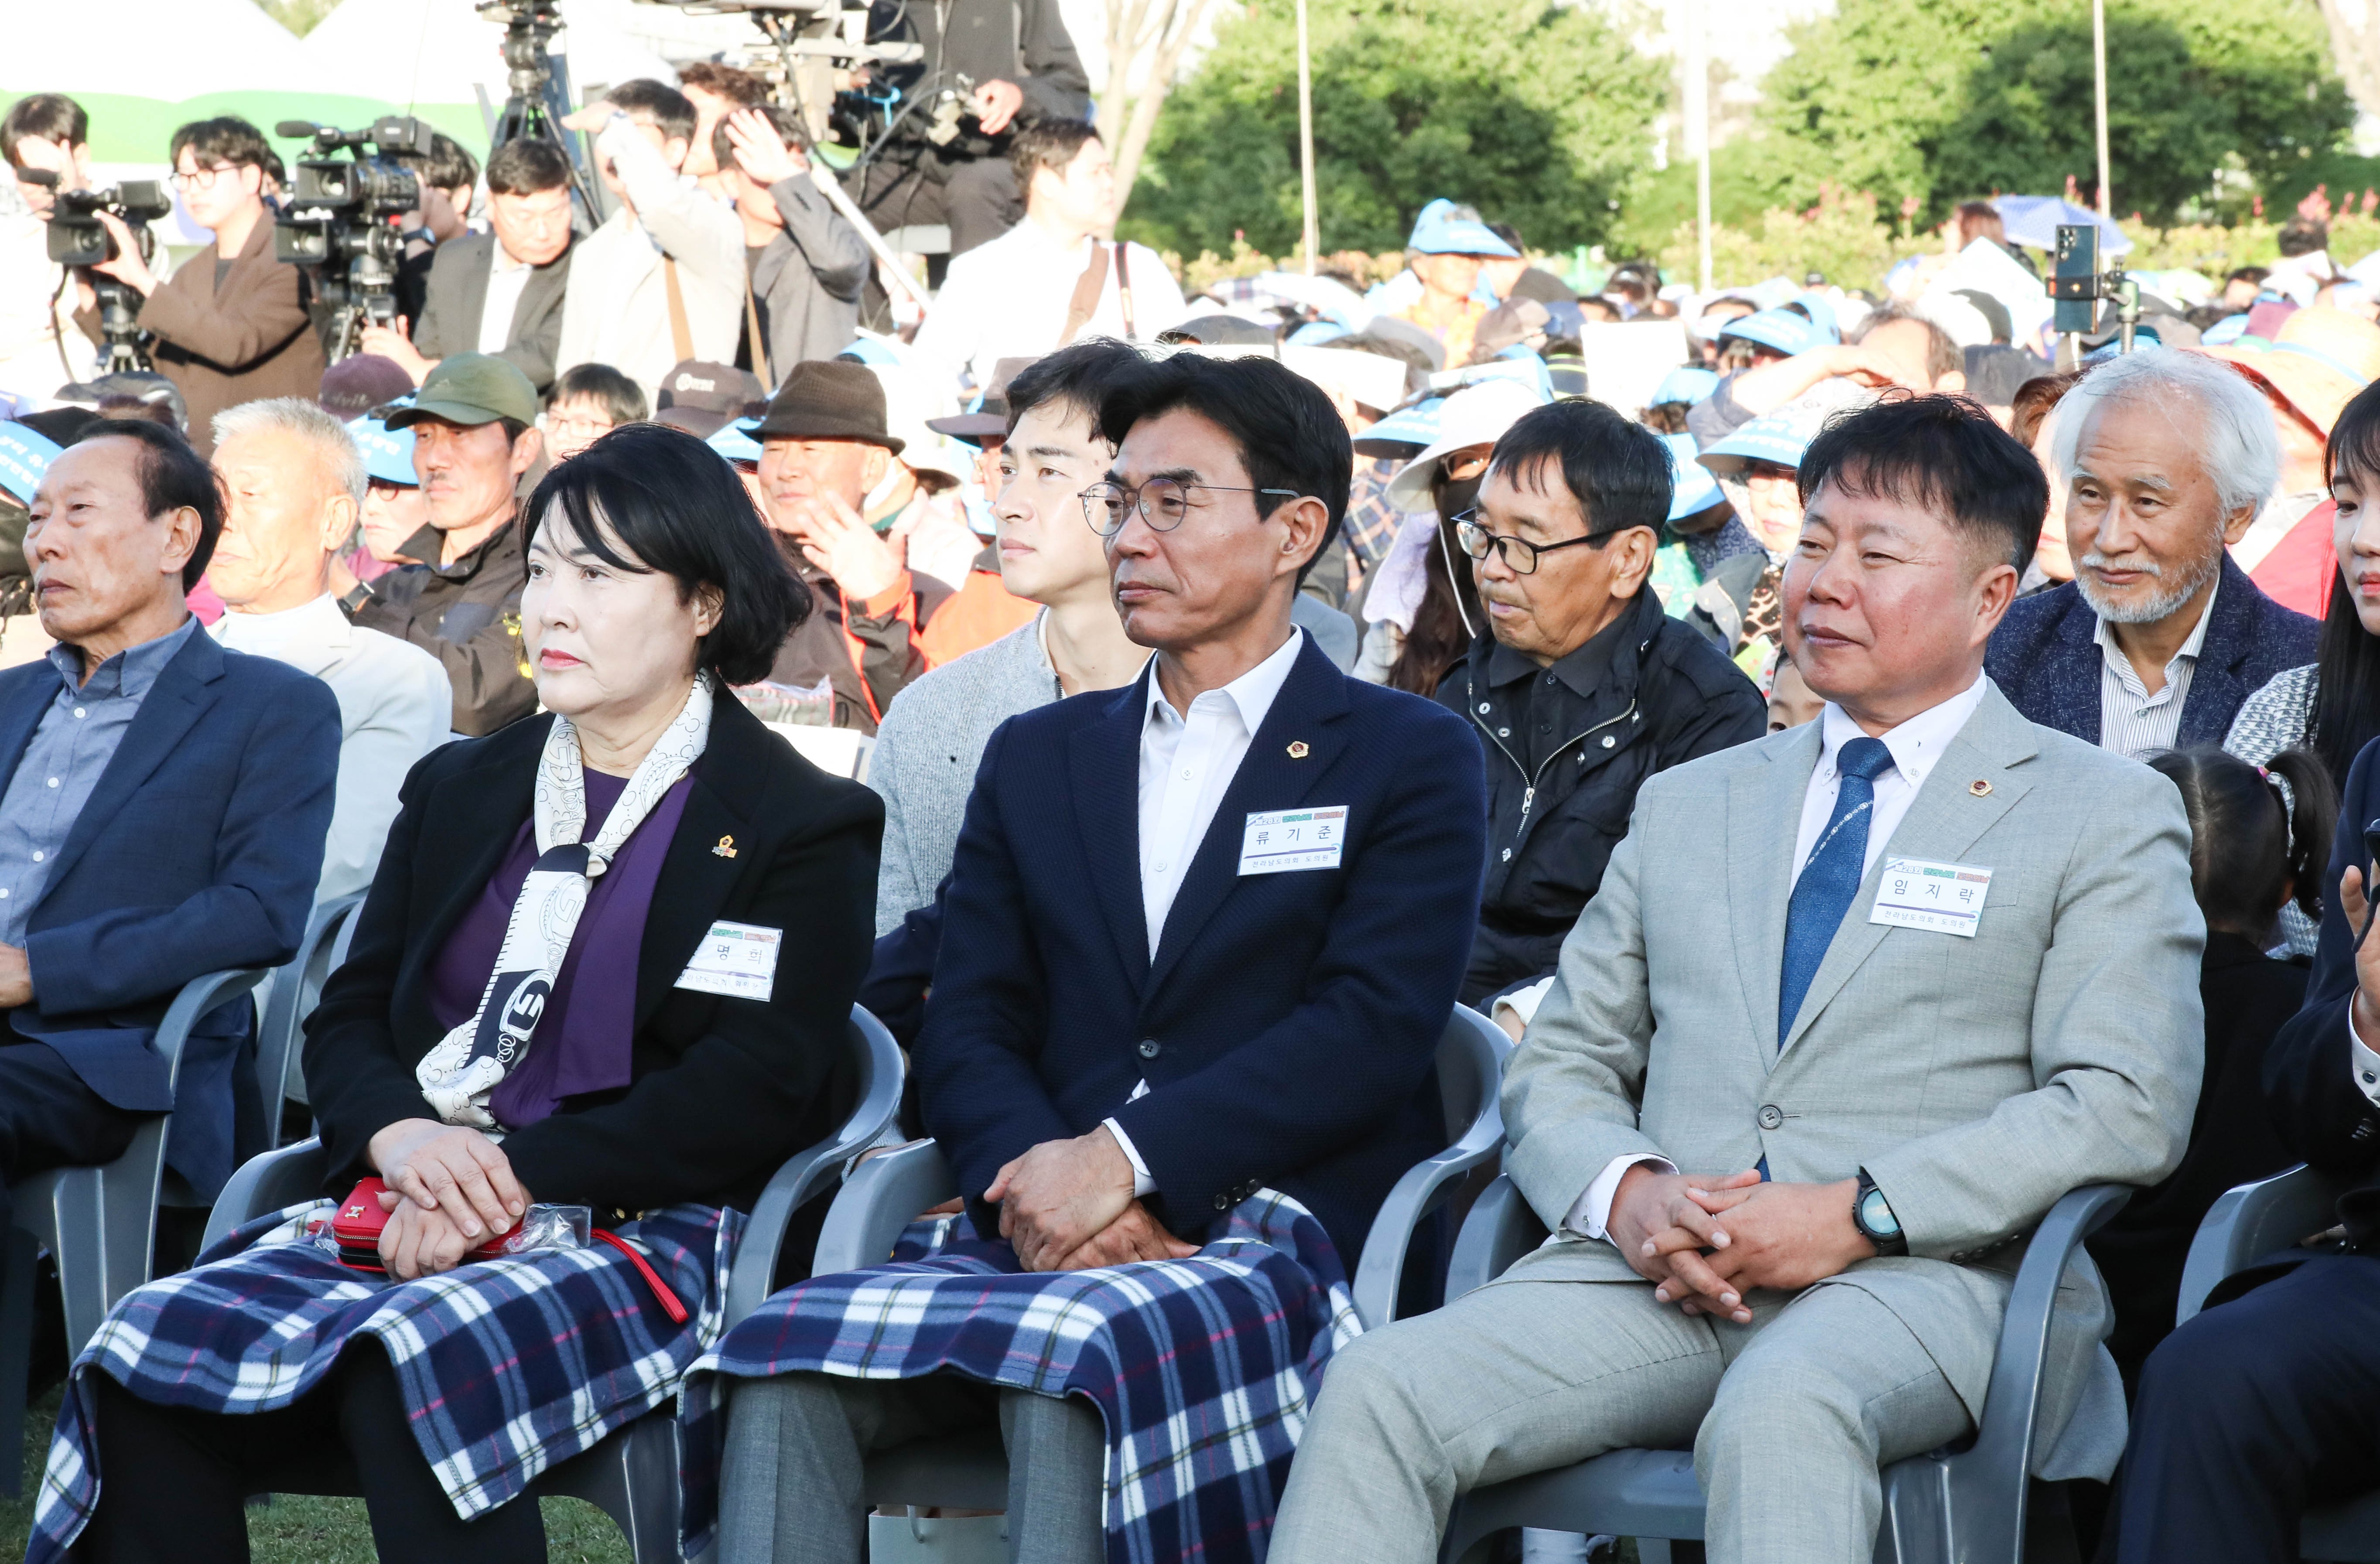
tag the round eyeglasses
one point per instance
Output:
(1519, 555)
(1162, 503)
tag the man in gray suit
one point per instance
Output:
(498, 293)
(1855, 1005)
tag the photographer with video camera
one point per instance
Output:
(448, 174)
(47, 133)
(499, 292)
(989, 67)
(230, 324)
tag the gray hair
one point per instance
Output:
(2234, 438)
(335, 448)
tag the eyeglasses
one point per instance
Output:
(201, 178)
(1462, 466)
(1519, 555)
(1162, 503)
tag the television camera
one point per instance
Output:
(77, 238)
(341, 221)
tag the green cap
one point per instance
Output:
(471, 388)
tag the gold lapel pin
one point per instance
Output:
(1980, 788)
(726, 848)
(1297, 749)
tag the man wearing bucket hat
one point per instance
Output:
(1449, 245)
(1893, 346)
(1701, 535)
(2317, 360)
(474, 424)
(395, 519)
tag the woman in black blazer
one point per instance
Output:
(607, 961)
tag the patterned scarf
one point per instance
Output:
(470, 1061)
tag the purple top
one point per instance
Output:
(584, 1040)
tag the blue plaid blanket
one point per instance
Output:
(508, 1367)
(1202, 1368)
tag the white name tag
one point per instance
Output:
(1294, 839)
(1940, 898)
(735, 958)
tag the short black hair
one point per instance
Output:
(525, 166)
(2248, 274)
(1078, 374)
(52, 116)
(621, 396)
(226, 140)
(726, 81)
(1940, 451)
(2303, 235)
(783, 121)
(172, 475)
(1288, 434)
(1616, 469)
(447, 166)
(680, 509)
(1048, 143)
(672, 111)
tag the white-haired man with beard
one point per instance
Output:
(2164, 457)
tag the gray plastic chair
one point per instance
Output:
(2251, 1223)
(632, 1475)
(885, 1193)
(1968, 1505)
(100, 1224)
(296, 988)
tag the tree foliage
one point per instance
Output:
(1539, 115)
(1942, 100)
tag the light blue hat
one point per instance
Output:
(1444, 228)
(25, 455)
(734, 441)
(1691, 487)
(1781, 329)
(1402, 432)
(1822, 313)
(388, 453)
(1783, 435)
(1686, 384)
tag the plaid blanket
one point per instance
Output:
(1202, 1368)
(508, 1367)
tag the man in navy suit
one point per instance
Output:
(2160, 636)
(1201, 938)
(163, 816)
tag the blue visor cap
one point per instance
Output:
(1444, 228)
(25, 455)
(735, 442)
(1687, 384)
(1780, 437)
(388, 453)
(1404, 432)
(1781, 329)
(1691, 487)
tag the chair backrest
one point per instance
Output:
(296, 988)
(1471, 1055)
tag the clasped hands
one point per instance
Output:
(450, 1190)
(1705, 1241)
(1068, 1205)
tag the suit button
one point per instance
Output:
(1770, 1116)
(1151, 1048)
(1222, 1203)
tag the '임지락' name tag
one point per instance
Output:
(1294, 839)
(738, 960)
(1940, 898)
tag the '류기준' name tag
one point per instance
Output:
(1294, 839)
(1942, 898)
(735, 958)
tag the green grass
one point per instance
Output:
(317, 1531)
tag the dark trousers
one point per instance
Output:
(2250, 1415)
(174, 1481)
(48, 1119)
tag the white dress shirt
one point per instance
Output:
(1009, 299)
(1917, 746)
(2132, 721)
(1187, 761)
(394, 706)
(507, 278)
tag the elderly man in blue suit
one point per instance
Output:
(2167, 457)
(163, 816)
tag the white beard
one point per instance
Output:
(2157, 607)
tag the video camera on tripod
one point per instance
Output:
(340, 223)
(77, 238)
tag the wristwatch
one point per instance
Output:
(357, 596)
(1872, 1214)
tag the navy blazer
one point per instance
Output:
(1287, 1022)
(2045, 657)
(197, 851)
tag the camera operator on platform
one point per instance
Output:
(1009, 62)
(47, 133)
(230, 323)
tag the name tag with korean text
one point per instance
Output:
(738, 960)
(1294, 839)
(1939, 897)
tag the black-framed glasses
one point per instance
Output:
(1519, 555)
(1162, 503)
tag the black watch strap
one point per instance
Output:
(357, 596)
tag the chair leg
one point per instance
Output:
(20, 1265)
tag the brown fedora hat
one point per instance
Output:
(828, 399)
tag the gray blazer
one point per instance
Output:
(808, 279)
(458, 295)
(1976, 1079)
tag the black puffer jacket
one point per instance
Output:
(1567, 748)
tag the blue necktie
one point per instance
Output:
(1830, 881)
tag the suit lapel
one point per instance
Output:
(1311, 700)
(21, 715)
(472, 301)
(2217, 687)
(699, 880)
(1943, 822)
(183, 692)
(2078, 670)
(1103, 764)
(1764, 822)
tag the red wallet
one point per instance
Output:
(356, 1229)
